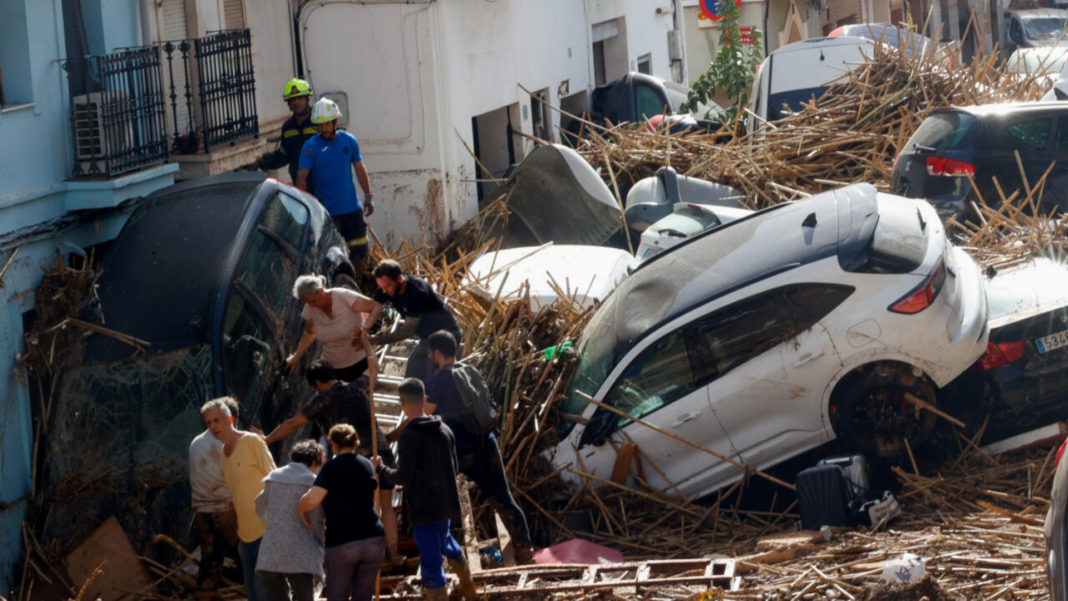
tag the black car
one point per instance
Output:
(203, 272)
(982, 142)
(1022, 380)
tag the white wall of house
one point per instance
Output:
(415, 75)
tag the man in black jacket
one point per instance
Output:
(479, 455)
(426, 468)
(295, 131)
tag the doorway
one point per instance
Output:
(495, 146)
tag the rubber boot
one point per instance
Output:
(524, 557)
(467, 584)
(437, 594)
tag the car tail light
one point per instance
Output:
(922, 297)
(949, 167)
(997, 355)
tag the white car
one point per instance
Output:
(685, 222)
(776, 333)
(587, 274)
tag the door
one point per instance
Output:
(774, 359)
(254, 333)
(663, 384)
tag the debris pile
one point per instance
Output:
(851, 134)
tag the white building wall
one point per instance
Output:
(416, 74)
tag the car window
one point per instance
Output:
(1014, 31)
(1062, 135)
(266, 266)
(659, 376)
(747, 329)
(246, 345)
(782, 103)
(1031, 134)
(649, 101)
(941, 131)
(287, 217)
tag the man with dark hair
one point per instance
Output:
(426, 468)
(424, 313)
(479, 456)
(215, 520)
(347, 403)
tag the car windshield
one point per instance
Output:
(1039, 28)
(940, 131)
(597, 355)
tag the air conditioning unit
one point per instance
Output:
(92, 138)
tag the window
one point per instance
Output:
(246, 347)
(645, 64)
(659, 376)
(599, 77)
(268, 266)
(1015, 33)
(233, 14)
(16, 81)
(1062, 134)
(648, 101)
(1031, 134)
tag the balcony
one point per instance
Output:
(211, 87)
(116, 113)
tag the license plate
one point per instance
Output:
(1052, 342)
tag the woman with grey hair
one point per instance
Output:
(335, 317)
(291, 555)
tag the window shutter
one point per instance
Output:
(233, 14)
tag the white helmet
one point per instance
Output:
(325, 111)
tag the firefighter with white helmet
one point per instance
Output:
(328, 160)
(296, 130)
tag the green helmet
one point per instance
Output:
(325, 111)
(296, 88)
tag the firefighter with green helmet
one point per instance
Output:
(296, 130)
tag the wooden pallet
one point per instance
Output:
(548, 579)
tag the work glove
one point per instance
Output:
(369, 205)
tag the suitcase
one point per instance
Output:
(823, 494)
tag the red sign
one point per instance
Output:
(747, 35)
(708, 9)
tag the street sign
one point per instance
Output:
(709, 9)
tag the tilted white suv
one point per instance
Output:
(771, 335)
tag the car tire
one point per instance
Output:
(873, 416)
(343, 280)
(1057, 534)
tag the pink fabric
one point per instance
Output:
(578, 551)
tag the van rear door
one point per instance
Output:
(798, 76)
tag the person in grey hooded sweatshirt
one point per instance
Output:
(291, 553)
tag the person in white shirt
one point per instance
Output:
(215, 520)
(335, 317)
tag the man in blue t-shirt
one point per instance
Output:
(328, 159)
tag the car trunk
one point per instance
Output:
(936, 158)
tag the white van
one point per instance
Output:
(800, 71)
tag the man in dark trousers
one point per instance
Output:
(426, 468)
(422, 309)
(479, 456)
(296, 130)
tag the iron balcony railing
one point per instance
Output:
(117, 111)
(212, 90)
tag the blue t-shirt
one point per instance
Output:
(329, 166)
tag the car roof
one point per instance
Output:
(738, 254)
(822, 43)
(1011, 108)
(1039, 12)
(161, 276)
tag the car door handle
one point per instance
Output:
(689, 417)
(807, 357)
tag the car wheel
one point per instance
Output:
(342, 280)
(875, 419)
(1057, 534)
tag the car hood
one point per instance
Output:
(554, 195)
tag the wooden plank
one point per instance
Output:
(470, 542)
(505, 542)
(123, 569)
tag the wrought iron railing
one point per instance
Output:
(117, 112)
(214, 75)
